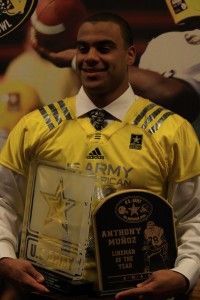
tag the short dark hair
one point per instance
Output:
(126, 29)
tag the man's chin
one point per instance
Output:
(92, 87)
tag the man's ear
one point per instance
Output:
(131, 55)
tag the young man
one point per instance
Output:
(166, 163)
(168, 72)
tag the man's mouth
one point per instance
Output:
(93, 70)
(93, 73)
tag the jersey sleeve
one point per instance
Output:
(184, 157)
(15, 153)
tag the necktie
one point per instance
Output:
(97, 118)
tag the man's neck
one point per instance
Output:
(104, 99)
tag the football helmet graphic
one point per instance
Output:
(12, 7)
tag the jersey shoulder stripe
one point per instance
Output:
(151, 117)
(55, 113)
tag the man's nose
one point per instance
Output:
(92, 55)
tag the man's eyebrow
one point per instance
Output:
(97, 43)
(106, 42)
(81, 42)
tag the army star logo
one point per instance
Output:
(58, 206)
(136, 141)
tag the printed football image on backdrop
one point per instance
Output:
(56, 23)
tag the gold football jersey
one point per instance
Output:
(150, 148)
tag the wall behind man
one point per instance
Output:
(148, 18)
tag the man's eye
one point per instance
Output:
(82, 49)
(104, 49)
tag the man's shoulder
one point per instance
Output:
(155, 119)
(52, 115)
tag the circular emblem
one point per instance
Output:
(133, 209)
(14, 13)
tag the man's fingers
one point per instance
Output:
(35, 274)
(35, 279)
(35, 285)
(128, 293)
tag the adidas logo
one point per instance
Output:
(95, 154)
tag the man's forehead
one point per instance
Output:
(104, 30)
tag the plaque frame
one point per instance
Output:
(112, 258)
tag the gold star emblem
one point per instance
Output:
(134, 209)
(137, 139)
(58, 206)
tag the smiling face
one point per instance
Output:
(102, 61)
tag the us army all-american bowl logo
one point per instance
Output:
(14, 13)
(133, 209)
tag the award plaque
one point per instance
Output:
(134, 235)
(56, 224)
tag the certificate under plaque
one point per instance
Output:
(56, 224)
(134, 235)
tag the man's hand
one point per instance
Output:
(160, 285)
(22, 275)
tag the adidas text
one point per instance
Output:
(95, 157)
